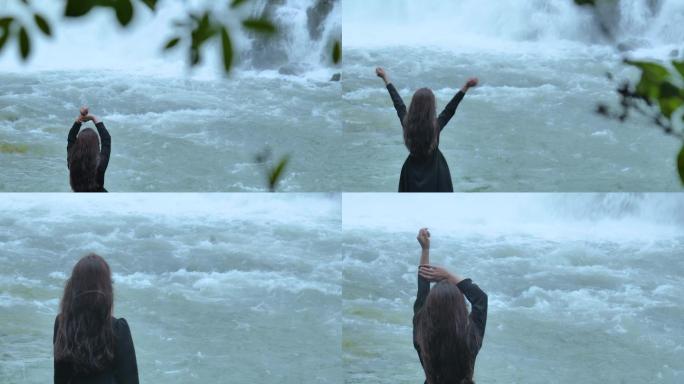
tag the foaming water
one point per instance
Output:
(210, 284)
(531, 124)
(582, 288)
(175, 129)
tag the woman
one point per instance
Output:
(425, 169)
(445, 336)
(88, 162)
(90, 345)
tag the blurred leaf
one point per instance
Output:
(259, 25)
(24, 43)
(652, 76)
(124, 11)
(13, 148)
(237, 3)
(151, 4)
(5, 30)
(172, 43)
(679, 66)
(585, 2)
(25, 2)
(77, 8)
(42, 24)
(670, 98)
(277, 172)
(227, 46)
(337, 52)
(680, 164)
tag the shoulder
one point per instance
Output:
(120, 325)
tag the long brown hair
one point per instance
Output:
(445, 337)
(83, 160)
(420, 124)
(84, 336)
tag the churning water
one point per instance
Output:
(215, 288)
(175, 130)
(530, 125)
(582, 288)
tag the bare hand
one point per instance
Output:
(84, 111)
(424, 238)
(472, 82)
(433, 273)
(380, 72)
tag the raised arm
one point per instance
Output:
(423, 284)
(398, 102)
(450, 108)
(478, 302)
(125, 365)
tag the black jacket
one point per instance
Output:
(105, 150)
(429, 174)
(124, 368)
(478, 312)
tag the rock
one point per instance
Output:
(316, 16)
(674, 53)
(336, 77)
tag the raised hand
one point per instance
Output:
(424, 238)
(434, 274)
(472, 82)
(380, 72)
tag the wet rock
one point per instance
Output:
(316, 17)
(336, 77)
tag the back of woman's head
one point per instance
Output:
(84, 337)
(444, 336)
(420, 124)
(83, 160)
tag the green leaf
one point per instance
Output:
(4, 32)
(237, 3)
(652, 76)
(42, 24)
(151, 4)
(77, 8)
(585, 2)
(680, 164)
(24, 43)
(679, 66)
(337, 52)
(670, 98)
(124, 11)
(259, 25)
(227, 46)
(276, 173)
(13, 148)
(172, 43)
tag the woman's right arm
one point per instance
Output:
(60, 374)
(126, 370)
(423, 284)
(396, 98)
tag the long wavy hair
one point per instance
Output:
(445, 337)
(83, 161)
(420, 124)
(85, 337)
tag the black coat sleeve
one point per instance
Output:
(105, 151)
(478, 302)
(62, 373)
(449, 110)
(73, 133)
(125, 363)
(423, 290)
(397, 101)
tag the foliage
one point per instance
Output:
(274, 171)
(13, 148)
(658, 95)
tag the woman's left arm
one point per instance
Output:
(450, 109)
(478, 301)
(126, 369)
